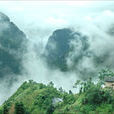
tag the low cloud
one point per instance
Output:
(96, 23)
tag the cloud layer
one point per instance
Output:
(39, 19)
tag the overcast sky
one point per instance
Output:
(36, 17)
(54, 14)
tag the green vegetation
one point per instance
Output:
(37, 98)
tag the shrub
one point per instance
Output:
(19, 108)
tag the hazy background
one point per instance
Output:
(39, 19)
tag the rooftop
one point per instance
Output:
(109, 79)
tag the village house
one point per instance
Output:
(109, 82)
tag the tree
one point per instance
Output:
(19, 108)
(5, 109)
(93, 93)
(51, 84)
(70, 92)
(61, 90)
(50, 109)
(96, 95)
(105, 73)
(83, 86)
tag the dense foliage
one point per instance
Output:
(37, 98)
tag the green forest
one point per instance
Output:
(37, 98)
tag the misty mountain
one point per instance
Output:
(12, 46)
(71, 50)
(60, 45)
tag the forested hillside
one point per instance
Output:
(38, 98)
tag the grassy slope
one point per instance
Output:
(28, 93)
(31, 94)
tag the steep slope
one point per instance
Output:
(12, 46)
(69, 50)
(60, 45)
(57, 48)
(36, 98)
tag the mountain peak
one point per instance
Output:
(3, 17)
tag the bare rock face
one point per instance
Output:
(12, 47)
(3, 17)
(59, 46)
(69, 50)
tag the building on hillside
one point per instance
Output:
(109, 82)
